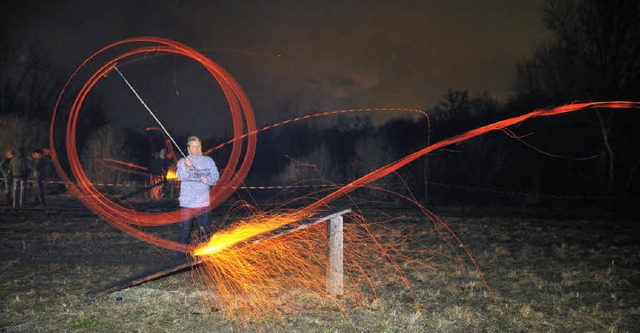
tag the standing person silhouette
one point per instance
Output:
(19, 171)
(38, 171)
(196, 173)
(158, 174)
(5, 168)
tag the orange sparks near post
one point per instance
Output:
(248, 276)
(252, 233)
(334, 272)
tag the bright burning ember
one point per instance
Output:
(171, 174)
(243, 231)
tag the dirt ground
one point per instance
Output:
(548, 274)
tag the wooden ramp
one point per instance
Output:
(334, 276)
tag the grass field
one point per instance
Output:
(547, 275)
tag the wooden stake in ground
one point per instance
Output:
(335, 284)
(335, 275)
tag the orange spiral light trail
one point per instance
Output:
(125, 218)
(122, 217)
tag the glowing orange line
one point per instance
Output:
(131, 165)
(323, 114)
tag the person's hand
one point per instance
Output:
(188, 163)
(204, 180)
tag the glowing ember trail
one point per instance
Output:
(252, 280)
(125, 166)
(226, 238)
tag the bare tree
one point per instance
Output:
(17, 131)
(595, 55)
(454, 103)
(29, 83)
(104, 143)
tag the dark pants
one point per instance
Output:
(18, 191)
(8, 187)
(38, 187)
(201, 217)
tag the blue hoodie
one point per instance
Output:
(193, 193)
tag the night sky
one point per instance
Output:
(290, 56)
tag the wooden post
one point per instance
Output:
(335, 275)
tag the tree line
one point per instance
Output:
(583, 158)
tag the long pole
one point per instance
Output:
(148, 109)
(153, 115)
